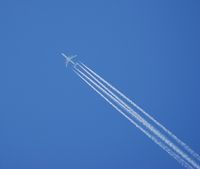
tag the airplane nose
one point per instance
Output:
(63, 55)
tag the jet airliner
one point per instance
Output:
(69, 59)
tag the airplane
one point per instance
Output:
(69, 59)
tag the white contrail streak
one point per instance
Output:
(146, 124)
(186, 147)
(163, 146)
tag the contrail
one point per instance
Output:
(186, 147)
(149, 126)
(163, 146)
(145, 123)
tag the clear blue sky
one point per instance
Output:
(50, 119)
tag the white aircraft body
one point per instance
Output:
(69, 59)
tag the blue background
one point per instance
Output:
(50, 119)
